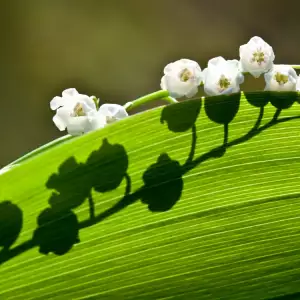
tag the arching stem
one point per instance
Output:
(159, 95)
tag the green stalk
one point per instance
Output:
(159, 95)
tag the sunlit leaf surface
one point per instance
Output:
(197, 200)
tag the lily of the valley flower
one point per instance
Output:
(182, 78)
(222, 76)
(78, 113)
(71, 111)
(281, 78)
(256, 57)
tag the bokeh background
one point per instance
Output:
(117, 49)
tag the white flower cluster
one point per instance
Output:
(183, 77)
(79, 114)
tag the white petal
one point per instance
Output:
(177, 88)
(69, 93)
(256, 74)
(210, 90)
(228, 91)
(198, 75)
(192, 92)
(298, 84)
(204, 74)
(86, 102)
(163, 83)
(61, 119)
(78, 125)
(256, 40)
(240, 78)
(56, 102)
(168, 68)
(87, 109)
(60, 123)
(233, 64)
(188, 61)
(243, 48)
(216, 61)
(97, 120)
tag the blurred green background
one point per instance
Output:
(117, 50)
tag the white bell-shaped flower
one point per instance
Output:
(71, 111)
(256, 57)
(182, 78)
(78, 113)
(222, 77)
(281, 78)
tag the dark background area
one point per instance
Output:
(117, 50)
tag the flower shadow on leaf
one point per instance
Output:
(57, 231)
(283, 100)
(162, 188)
(11, 222)
(257, 99)
(222, 110)
(69, 183)
(181, 116)
(163, 184)
(104, 170)
(108, 167)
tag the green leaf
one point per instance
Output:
(195, 200)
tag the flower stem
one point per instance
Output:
(159, 95)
